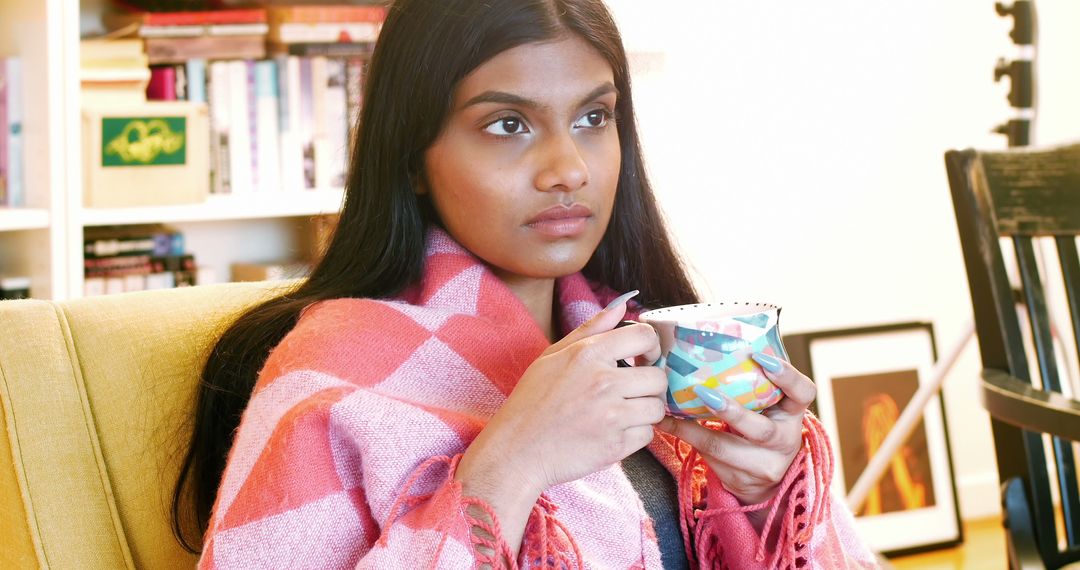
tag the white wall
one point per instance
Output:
(797, 150)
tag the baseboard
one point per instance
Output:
(979, 495)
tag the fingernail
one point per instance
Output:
(767, 362)
(713, 399)
(621, 299)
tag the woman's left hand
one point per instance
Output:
(754, 457)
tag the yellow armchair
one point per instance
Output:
(96, 398)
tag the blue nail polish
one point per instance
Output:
(713, 399)
(621, 299)
(767, 362)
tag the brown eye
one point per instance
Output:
(507, 126)
(594, 119)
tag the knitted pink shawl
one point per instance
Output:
(345, 456)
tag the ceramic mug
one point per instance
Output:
(710, 344)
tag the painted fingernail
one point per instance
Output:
(621, 299)
(767, 362)
(713, 399)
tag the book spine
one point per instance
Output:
(267, 128)
(337, 122)
(326, 32)
(15, 181)
(253, 124)
(327, 49)
(189, 18)
(321, 129)
(4, 103)
(220, 127)
(239, 129)
(307, 122)
(354, 92)
(326, 13)
(181, 82)
(292, 151)
(195, 69)
(162, 86)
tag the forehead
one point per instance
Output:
(550, 71)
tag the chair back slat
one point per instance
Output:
(1039, 317)
(1070, 272)
(1035, 193)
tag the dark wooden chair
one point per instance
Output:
(1022, 195)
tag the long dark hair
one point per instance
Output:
(425, 49)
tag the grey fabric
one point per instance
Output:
(656, 487)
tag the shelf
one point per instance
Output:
(222, 208)
(16, 219)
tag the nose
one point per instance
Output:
(562, 166)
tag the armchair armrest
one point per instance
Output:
(1017, 402)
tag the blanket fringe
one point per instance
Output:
(799, 519)
(547, 541)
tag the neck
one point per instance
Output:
(538, 297)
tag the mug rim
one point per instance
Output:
(657, 314)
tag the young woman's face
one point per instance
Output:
(525, 169)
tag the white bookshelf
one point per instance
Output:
(45, 240)
(21, 219)
(222, 208)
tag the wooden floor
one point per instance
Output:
(983, 549)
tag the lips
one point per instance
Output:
(561, 213)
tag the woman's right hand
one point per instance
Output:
(574, 411)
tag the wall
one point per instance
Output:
(814, 134)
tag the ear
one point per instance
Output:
(419, 183)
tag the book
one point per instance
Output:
(140, 239)
(4, 88)
(296, 24)
(354, 93)
(200, 30)
(180, 50)
(337, 123)
(218, 94)
(306, 122)
(162, 86)
(302, 14)
(123, 20)
(110, 50)
(195, 75)
(292, 153)
(240, 139)
(325, 32)
(267, 130)
(325, 49)
(11, 130)
(113, 73)
(322, 145)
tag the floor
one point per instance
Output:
(983, 549)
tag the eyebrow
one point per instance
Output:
(504, 98)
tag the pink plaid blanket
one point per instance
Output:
(345, 456)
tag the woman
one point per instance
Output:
(443, 390)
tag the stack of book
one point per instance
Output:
(113, 73)
(136, 258)
(175, 37)
(12, 183)
(335, 31)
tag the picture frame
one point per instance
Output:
(865, 378)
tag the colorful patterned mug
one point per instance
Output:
(710, 344)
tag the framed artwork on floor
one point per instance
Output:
(865, 377)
